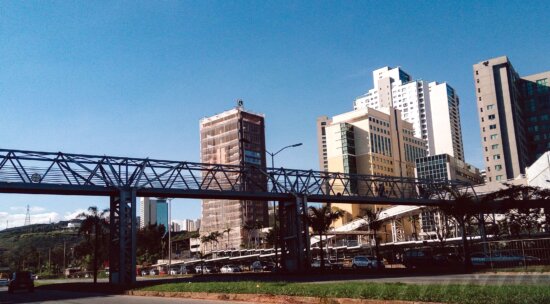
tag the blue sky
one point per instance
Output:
(134, 78)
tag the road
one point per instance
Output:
(384, 277)
(55, 296)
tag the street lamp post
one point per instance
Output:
(274, 209)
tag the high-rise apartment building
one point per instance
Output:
(322, 123)
(514, 116)
(371, 142)
(234, 137)
(432, 108)
(189, 225)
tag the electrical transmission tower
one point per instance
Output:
(28, 217)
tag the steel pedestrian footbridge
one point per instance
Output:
(125, 178)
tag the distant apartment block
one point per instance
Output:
(234, 137)
(431, 107)
(188, 225)
(372, 142)
(514, 116)
(175, 227)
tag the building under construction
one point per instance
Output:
(234, 137)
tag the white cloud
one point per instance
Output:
(72, 215)
(18, 219)
(37, 209)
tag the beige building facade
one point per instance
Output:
(369, 142)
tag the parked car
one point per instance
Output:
(368, 262)
(262, 266)
(188, 269)
(175, 271)
(144, 272)
(230, 269)
(21, 280)
(206, 269)
(315, 264)
(4, 282)
(154, 272)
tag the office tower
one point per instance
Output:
(234, 137)
(514, 116)
(444, 166)
(432, 108)
(153, 211)
(370, 142)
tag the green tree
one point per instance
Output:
(228, 230)
(320, 220)
(462, 206)
(413, 219)
(94, 223)
(214, 237)
(148, 245)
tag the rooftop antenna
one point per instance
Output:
(28, 217)
(240, 103)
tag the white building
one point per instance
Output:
(188, 225)
(432, 108)
(176, 227)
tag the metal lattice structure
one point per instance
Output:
(123, 179)
(77, 174)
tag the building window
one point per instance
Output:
(494, 136)
(496, 156)
(498, 177)
(494, 147)
(492, 127)
(491, 117)
(490, 107)
(498, 167)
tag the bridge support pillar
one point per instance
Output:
(122, 250)
(294, 235)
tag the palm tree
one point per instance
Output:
(228, 230)
(320, 220)
(214, 237)
(414, 221)
(205, 239)
(462, 208)
(94, 222)
(374, 223)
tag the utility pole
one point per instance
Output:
(64, 247)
